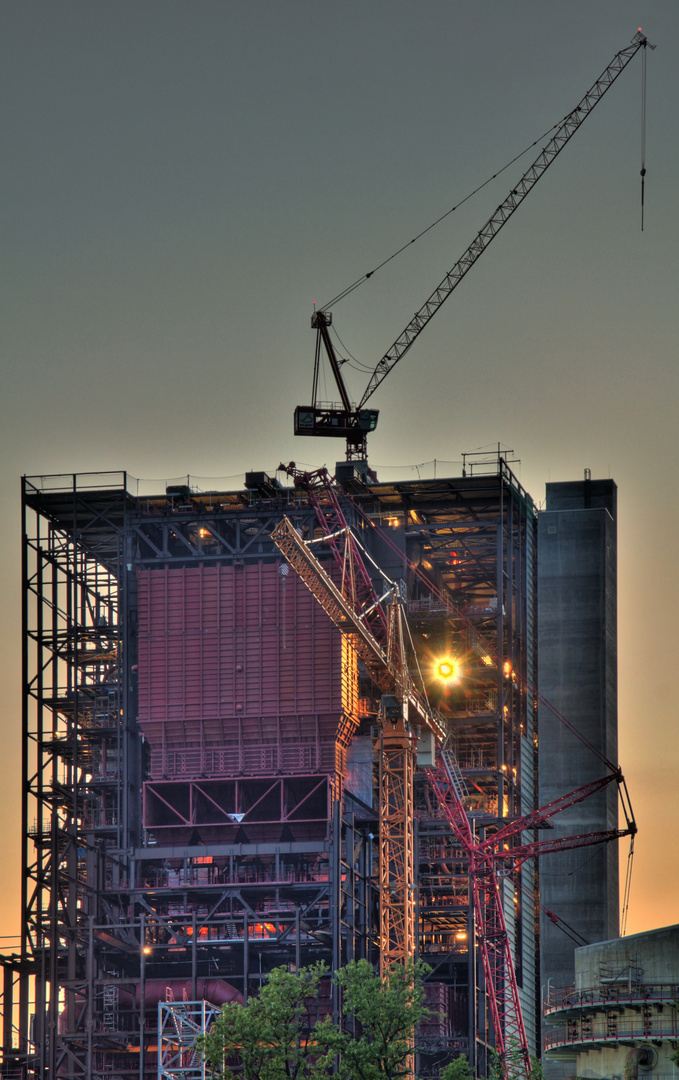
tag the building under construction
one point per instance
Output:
(201, 755)
(298, 722)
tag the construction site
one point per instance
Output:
(317, 717)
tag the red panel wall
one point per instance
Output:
(231, 656)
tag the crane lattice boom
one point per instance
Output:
(354, 423)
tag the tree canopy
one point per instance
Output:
(278, 1034)
(272, 1037)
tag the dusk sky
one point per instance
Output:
(182, 180)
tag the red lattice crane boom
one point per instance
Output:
(488, 860)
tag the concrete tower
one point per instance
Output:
(577, 673)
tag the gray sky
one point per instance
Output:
(183, 180)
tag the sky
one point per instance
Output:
(181, 182)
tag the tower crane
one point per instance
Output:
(377, 637)
(375, 629)
(354, 422)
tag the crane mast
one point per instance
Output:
(355, 422)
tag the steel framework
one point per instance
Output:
(123, 896)
(436, 607)
(197, 845)
(396, 784)
(180, 1023)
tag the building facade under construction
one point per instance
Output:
(201, 750)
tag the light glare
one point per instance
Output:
(447, 670)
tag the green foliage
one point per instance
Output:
(495, 1069)
(459, 1069)
(674, 1058)
(513, 1065)
(273, 1036)
(384, 1014)
(536, 1070)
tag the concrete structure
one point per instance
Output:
(577, 673)
(619, 1019)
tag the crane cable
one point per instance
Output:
(643, 133)
(627, 889)
(364, 277)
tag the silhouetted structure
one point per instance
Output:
(199, 754)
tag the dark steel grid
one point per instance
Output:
(93, 904)
(343, 916)
(79, 812)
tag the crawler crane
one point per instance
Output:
(375, 630)
(403, 716)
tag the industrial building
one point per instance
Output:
(577, 673)
(219, 779)
(201, 754)
(619, 1015)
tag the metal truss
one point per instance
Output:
(235, 804)
(493, 576)
(79, 812)
(397, 859)
(164, 531)
(229, 900)
(180, 1023)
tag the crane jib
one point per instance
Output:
(354, 422)
(536, 170)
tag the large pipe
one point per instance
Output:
(641, 1055)
(216, 991)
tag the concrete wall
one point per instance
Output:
(652, 957)
(577, 673)
(655, 954)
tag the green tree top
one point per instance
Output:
(273, 1035)
(459, 1069)
(276, 1035)
(384, 1013)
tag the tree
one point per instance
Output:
(276, 1036)
(459, 1069)
(384, 1014)
(511, 1065)
(536, 1072)
(273, 1036)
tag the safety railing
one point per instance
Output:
(607, 994)
(585, 1031)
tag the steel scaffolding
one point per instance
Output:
(180, 1023)
(184, 839)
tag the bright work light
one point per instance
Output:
(446, 670)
